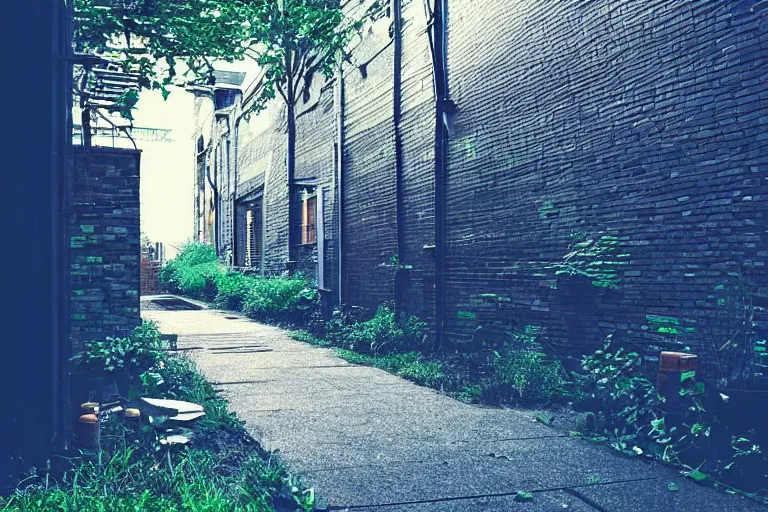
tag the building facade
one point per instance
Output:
(579, 168)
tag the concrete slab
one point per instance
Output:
(554, 501)
(655, 495)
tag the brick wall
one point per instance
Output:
(418, 128)
(104, 244)
(370, 237)
(640, 121)
(149, 276)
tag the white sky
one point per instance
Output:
(167, 169)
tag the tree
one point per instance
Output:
(291, 41)
(149, 38)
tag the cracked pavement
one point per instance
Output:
(367, 440)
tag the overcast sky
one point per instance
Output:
(167, 169)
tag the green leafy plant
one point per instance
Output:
(413, 366)
(469, 393)
(524, 376)
(231, 290)
(383, 334)
(195, 272)
(279, 299)
(140, 352)
(625, 410)
(226, 470)
(597, 259)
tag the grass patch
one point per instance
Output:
(413, 366)
(306, 337)
(221, 469)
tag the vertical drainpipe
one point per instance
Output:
(397, 116)
(441, 154)
(236, 169)
(59, 220)
(61, 349)
(340, 176)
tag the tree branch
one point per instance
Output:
(123, 129)
(279, 89)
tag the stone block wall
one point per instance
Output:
(105, 251)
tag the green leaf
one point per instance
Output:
(673, 486)
(697, 475)
(523, 497)
(687, 375)
(658, 426)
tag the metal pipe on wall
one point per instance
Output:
(397, 108)
(340, 176)
(441, 155)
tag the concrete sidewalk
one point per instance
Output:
(367, 440)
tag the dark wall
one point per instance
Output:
(370, 237)
(33, 158)
(104, 245)
(640, 120)
(639, 125)
(418, 188)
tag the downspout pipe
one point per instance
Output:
(340, 177)
(61, 136)
(441, 155)
(397, 109)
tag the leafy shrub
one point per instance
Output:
(690, 429)
(524, 376)
(469, 393)
(610, 388)
(194, 272)
(232, 287)
(384, 334)
(143, 350)
(425, 373)
(279, 299)
(226, 470)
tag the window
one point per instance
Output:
(308, 218)
(224, 98)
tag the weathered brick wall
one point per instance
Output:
(642, 120)
(149, 276)
(104, 244)
(370, 237)
(417, 129)
(316, 137)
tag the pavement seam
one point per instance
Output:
(592, 503)
(570, 490)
